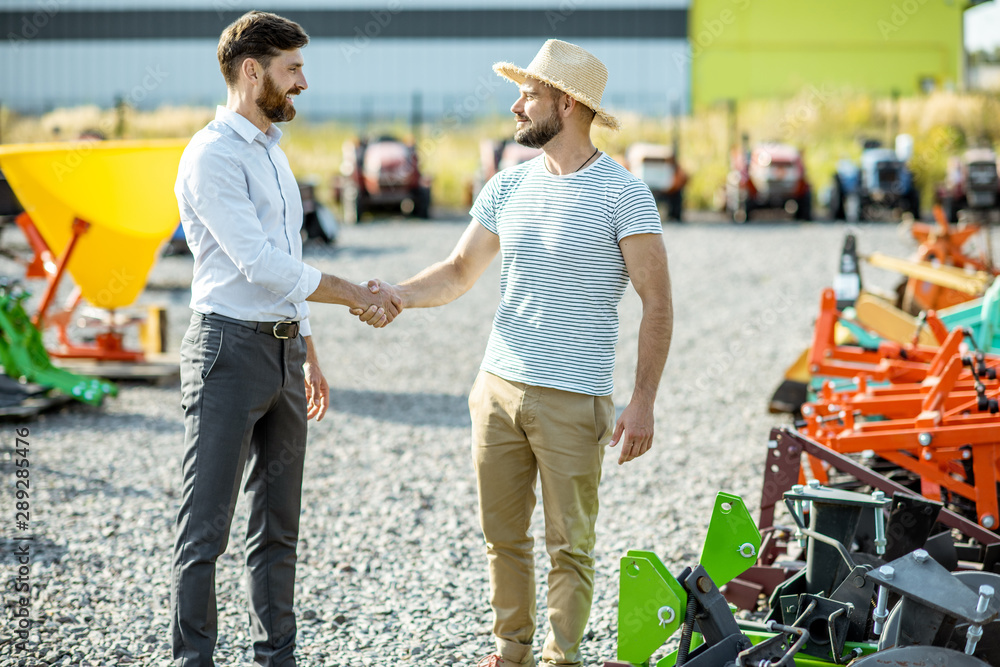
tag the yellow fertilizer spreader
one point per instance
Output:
(100, 210)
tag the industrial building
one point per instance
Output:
(375, 58)
(365, 58)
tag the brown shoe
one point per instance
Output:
(495, 660)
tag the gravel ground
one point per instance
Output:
(392, 567)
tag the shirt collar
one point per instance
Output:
(243, 127)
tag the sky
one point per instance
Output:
(982, 27)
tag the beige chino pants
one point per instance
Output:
(519, 433)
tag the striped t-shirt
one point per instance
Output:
(563, 273)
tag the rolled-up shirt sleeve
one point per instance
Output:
(231, 218)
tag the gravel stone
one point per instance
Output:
(392, 566)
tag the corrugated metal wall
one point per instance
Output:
(363, 58)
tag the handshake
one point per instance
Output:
(385, 303)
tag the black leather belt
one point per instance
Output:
(284, 329)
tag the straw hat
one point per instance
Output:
(569, 68)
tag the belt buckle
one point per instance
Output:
(283, 326)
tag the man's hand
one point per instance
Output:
(387, 306)
(317, 390)
(634, 430)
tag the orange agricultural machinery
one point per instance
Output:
(929, 410)
(942, 273)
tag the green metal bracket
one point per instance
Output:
(733, 540)
(651, 606)
(757, 636)
(22, 354)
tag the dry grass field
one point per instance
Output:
(827, 123)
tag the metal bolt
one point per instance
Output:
(887, 572)
(747, 550)
(704, 584)
(927, 455)
(878, 494)
(666, 616)
(966, 453)
(880, 609)
(975, 631)
(807, 411)
(985, 595)
(972, 636)
(813, 484)
(920, 555)
(989, 521)
(925, 439)
(879, 531)
(797, 488)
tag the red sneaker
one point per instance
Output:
(492, 660)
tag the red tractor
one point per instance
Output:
(496, 156)
(656, 165)
(972, 184)
(381, 174)
(771, 176)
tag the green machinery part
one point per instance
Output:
(652, 603)
(23, 355)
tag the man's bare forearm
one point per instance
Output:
(311, 357)
(445, 281)
(436, 285)
(341, 292)
(655, 332)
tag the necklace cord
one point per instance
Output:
(578, 168)
(586, 161)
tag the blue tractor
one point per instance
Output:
(881, 187)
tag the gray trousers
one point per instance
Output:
(243, 396)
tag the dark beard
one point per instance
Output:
(272, 102)
(538, 134)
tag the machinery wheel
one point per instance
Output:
(913, 204)
(741, 215)
(354, 204)
(836, 200)
(989, 645)
(859, 210)
(804, 211)
(909, 656)
(949, 208)
(422, 203)
(675, 205)
(349, 200)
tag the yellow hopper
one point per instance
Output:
(123, 190)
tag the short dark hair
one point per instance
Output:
(257, 35)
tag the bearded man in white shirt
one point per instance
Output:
(250, 377)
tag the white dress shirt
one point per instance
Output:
(242, 215)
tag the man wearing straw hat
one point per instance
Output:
(572, 226)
